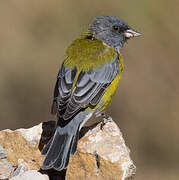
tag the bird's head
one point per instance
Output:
(112, 30)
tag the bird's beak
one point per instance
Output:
(131, 33)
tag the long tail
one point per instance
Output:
(62, 144)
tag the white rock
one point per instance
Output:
(109, 144)
(32, 135)
(30, 175)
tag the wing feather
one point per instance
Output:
(89, 88)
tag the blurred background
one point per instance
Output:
(33, 38)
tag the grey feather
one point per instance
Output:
(102, 29)
(63, 143)
(89, 88)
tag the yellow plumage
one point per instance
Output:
(111, 89)
(86, 54)
(85, 85)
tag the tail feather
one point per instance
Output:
(75, 143)
(62, 144)
(62, 161)
(46, 148)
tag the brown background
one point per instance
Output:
(33, 37)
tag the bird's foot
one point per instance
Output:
(106, 118)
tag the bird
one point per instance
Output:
(85, 84)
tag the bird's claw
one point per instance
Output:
(106, 119)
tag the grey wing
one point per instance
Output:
(90, 87)
(63, 90)
(88, 91)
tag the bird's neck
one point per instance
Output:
(89, 35)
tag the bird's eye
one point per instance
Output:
(116, 28)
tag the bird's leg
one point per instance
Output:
(106, 118)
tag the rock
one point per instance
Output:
(17, 147)
(109, 144)
(5, 169)
(86, 166)
(3, 153)
(32, 135)
(30, 175)
(22, 167)
(102, 153)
